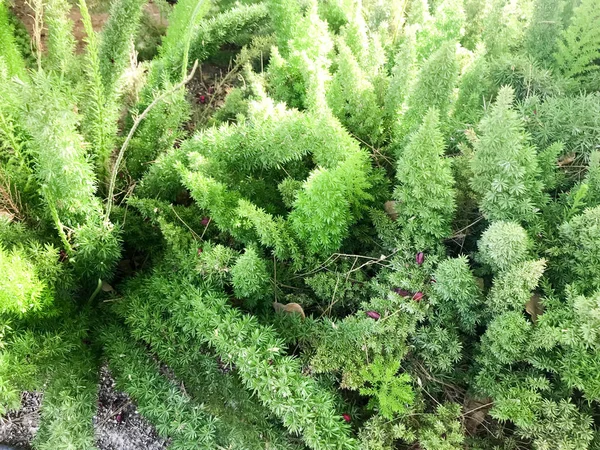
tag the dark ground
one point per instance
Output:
(117, 424)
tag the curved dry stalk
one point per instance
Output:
(136, 124)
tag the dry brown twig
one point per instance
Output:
(10, 200)
(335, 256)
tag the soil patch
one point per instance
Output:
(25, 14)
(117, 423)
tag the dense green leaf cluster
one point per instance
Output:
(377, 228)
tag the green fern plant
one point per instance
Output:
(392, 393)
(577, 52)
(425, 194)
(325, 254)
(504, 165)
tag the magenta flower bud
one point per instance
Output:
(402, 292)
(417, 297)
(373, 315)
(205, 221)
(347, 417)
(420, 258)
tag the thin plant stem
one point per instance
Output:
(136, 124)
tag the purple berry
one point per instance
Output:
(420, 258)
(373, 315)
(417, 297)
(402, 292)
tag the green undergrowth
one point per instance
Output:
(327, 224)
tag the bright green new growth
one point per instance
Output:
(503, 244)
(392, 393)
(503, 27)
(323, 210)
(432, 89)
(249, 276)
(401, 75)
(100, 113)
(330, 197)
(365, 44)
(425, 192)
(61, 43)
(184, 21)
(68, 182)
(355, 33)
(66, 178)
(115, 41)
(9, 52)
(447, 25)
(205, 37)
(473, 89)
(303, 56)
(504, 164)
(352, 97)
(21, 289)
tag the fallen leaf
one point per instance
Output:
(8, 216)
(534, 307)
(293, 308)
(390, 209)
(566, 160)
(475, 412)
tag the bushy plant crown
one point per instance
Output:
(377, 228)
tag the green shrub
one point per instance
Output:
(381, 233)
(505, 165)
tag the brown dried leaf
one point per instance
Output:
(534, 307)
(390, 209)
(566, 160)
(292, 308)
(6, 215)
(471, 136)
(475, 412)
